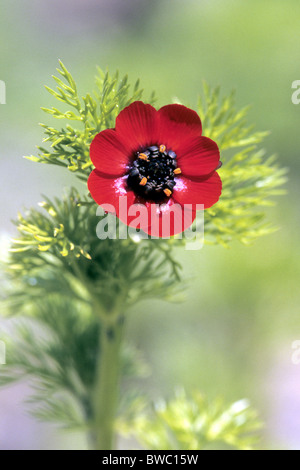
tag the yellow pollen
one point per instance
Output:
(143, 182)
(167, 192)
(143, 156)
(177, 171)
(162, 148)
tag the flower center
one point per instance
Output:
(152, 174)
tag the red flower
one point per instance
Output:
(160, 161)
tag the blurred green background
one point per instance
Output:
(233, 334)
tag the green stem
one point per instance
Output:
(106, 391)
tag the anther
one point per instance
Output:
(167, 192)
(177, 171)
(171, 184)
(172, 154)
(134, 172)
(143, 181)
(162, 148)
(143, 156)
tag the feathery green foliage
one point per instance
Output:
(61, 273)
(57, 349)
(69, 146)
(58, 252)
(249, 177)
(194, 423)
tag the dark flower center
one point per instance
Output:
(152, 174)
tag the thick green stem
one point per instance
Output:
(106, 391)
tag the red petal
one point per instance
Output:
(167, 220)
(206, 192)
(107, 190)
(108, 153)
(177, 125)
(164, 220)
(198, 157)
(137, 125)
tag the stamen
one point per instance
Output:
(143, 182)
(134, 172)
(172, 154)
(152, 173)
